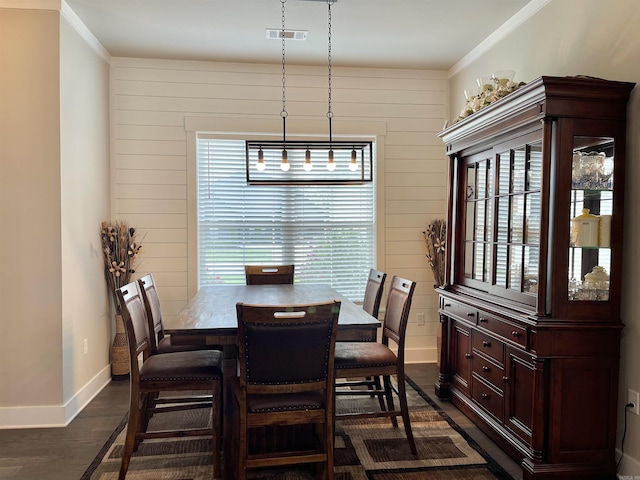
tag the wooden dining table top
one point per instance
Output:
(212, 311)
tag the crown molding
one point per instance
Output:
(528, 11)
(79, 26)
(69, 15)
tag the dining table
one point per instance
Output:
(210, 319)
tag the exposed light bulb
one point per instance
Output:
(260, 166)
(284, 165)
(353, 164)
(307, 161)
(331, 165)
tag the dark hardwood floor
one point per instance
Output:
(65, 453)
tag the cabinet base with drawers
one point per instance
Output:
(545, 392)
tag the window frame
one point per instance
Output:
(228, 127)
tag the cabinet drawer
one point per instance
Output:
(460, 310)
(488, 399)
(489, 346)
(488, 371)
(509, 331)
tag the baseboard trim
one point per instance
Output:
(420, 355)
(629, 467)
(51, 416)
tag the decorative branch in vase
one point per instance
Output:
(120, 251)
(435, 237)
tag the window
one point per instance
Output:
(327, 231)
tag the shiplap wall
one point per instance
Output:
(150, 100)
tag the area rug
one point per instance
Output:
(367, 449)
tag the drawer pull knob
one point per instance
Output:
(471, 314)
(467, 355)
(515, 334)
(485, 368)
(485, 396)
(447, 304)
(505, 379)
(486, 344)
(483, 320)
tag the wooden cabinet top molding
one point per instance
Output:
(543, 98)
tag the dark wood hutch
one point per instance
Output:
(531, 306)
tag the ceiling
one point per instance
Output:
(424, 34)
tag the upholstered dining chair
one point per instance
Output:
(376, 359)
(286, 379)
(371, 304)
(269, 274)
(160, 342)
(373, 292)
(167, 372)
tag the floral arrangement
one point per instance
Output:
(435, 237)
(120, 250)
(489, 93)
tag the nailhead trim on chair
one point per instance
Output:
(364, 365)
(173, 379)
(290, 409)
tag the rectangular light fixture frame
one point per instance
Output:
(342, 150)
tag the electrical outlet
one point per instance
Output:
(85, 346)
(633, 397)
(420, 319)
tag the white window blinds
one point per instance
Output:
(326, 231)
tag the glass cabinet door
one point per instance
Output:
(591, 206)
(501, 207)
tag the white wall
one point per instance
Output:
(85, 203)
(152, 98)
(585, 37)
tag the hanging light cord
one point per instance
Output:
(329, 111)
(283, 113)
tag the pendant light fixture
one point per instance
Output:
(284, 164)
(331, 165)
(346, 161)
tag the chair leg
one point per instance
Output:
(215, 421)
(133, 427)
(404, 408)
(329, 445)
(148, 402)
(389, 394)
(242, 449)
(376, 381)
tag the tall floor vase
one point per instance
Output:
(119, 352)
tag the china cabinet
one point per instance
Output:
(531, 304)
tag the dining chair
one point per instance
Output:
(269, 274)
(371, 304)
(191, 372)
(376, 359)
(159, 341)
(373, 292)
(286, 380)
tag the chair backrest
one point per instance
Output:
(373, 292)
(287, 349)
(269, 274)
(396, 314)
(136, 325)
(151, 301)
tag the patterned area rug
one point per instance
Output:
(364, 450)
